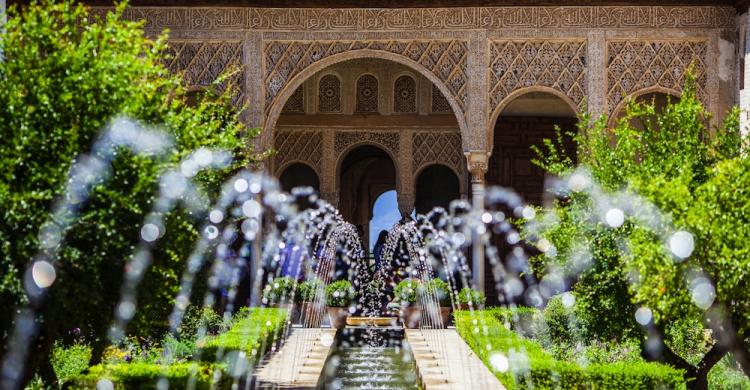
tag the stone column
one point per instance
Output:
(743, 79)
(596, 74)
(477, 166)
(328, 169)
(405, 189)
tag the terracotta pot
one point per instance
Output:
(445, 315)
(338, 316)
(411, 316)
(464, 306)
(311, 314)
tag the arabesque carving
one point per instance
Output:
(304, 146)
(430, 147)
(445, 59)
(201, 63)
(388, 140)
(378, 19)
(636, 65)
(556, 64)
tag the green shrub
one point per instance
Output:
(438, 289)
(471, 298)
(197, 317)
(147, 375)
(309, 289)
(406, 292)
(521, 319)
(64, 76)
(529, 365)
(176, 350)
(70, 361)
(279, 290)
(727, 375)
(339, 294)
(253, 334)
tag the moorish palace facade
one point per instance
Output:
(438, 99)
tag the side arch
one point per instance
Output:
(615, 114)
(341, 156)
(288, 89)
(515, 95)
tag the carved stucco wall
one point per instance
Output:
(599, 54)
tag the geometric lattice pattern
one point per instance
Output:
(367, 94)
(404, 95)
(296, 102)
(439, 102)
(329, 94)
(517, 64)
(635, 65)
(446, 59)
(303, 146)
(203, 62)
(388, 140)
(430, 147)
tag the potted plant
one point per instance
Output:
(438, 290)
(339, 295)
(278, 293)
(470, 299)
(311, 302)
(406, 295)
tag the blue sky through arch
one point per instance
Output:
(385, 214)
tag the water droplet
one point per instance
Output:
(43, 274)
(149, 232)
(682, 244)
(486, 217)
(568, 299)
(241, 185)
(211, 232)
(578, 182)
(528, 213)
(126, 310)
(643, 316)
(251, 208)
(204, 157)
(615, 218)
(326, 340)
(216, 216)
(702, 292)
(105, 384)
(499, 362)
(50, 236)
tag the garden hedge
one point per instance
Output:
(252, 332)
(532, 367)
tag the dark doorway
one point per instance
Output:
(524, 123)
(299, 175)
(365, 173)
(437, 186)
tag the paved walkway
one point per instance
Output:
(444, 361)
(299, 362)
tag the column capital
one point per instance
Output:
(477, 164)
(406, 203)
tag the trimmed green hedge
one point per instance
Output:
(147, 375)
(253, 330)
(252, 333)
(530, 366)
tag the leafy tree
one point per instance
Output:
(65, 74)
(669, 172)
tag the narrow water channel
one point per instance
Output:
(372, 358)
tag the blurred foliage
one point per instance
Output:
(498, 347)
(64, 77)
(675, 172)
(279, 290)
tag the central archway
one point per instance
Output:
(366, 172)
(288, 89)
